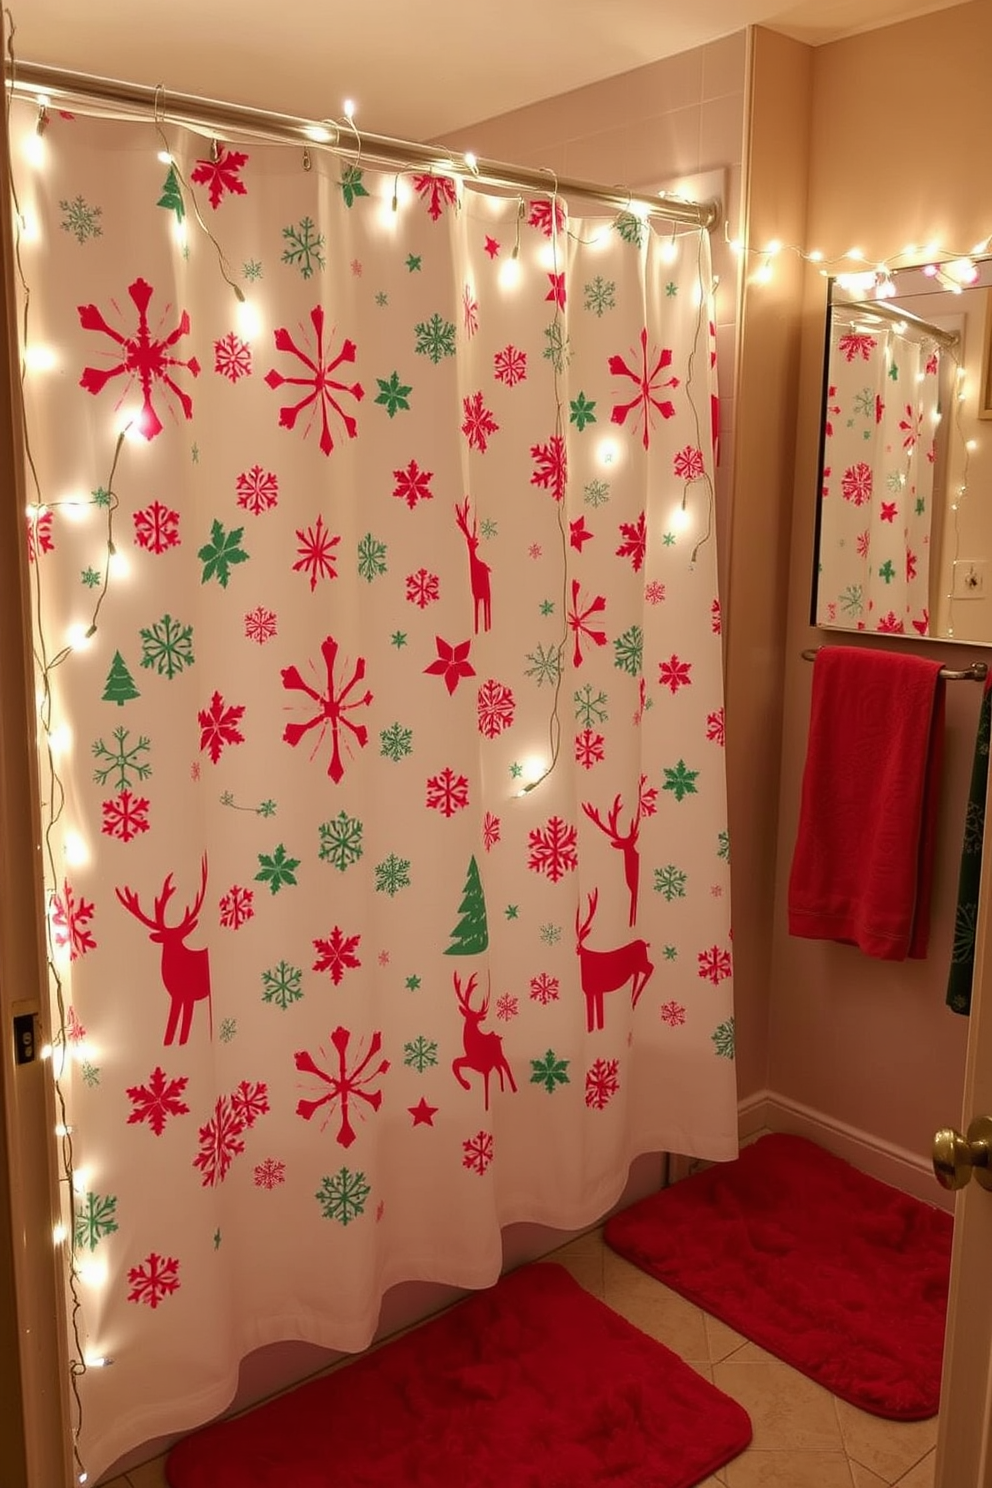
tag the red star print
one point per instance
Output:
(579, 533)
(888, 512)
(452, 663)
(422, 1113)
(492, 247)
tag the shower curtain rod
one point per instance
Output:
(889, 312)
(61, 86)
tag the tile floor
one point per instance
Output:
(803, 1436)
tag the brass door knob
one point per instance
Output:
(956, 1158)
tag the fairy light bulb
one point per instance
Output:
(669, 250)
(165, 157)
(119, 564)
(76, 851)
(349, 109)
(79, 635)
(471, 160)
(509, 273)
(249, 320)
(39, 359)
(680, 519)
(59, 1231)
(80, 1180)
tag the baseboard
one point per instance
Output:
(768, 1111)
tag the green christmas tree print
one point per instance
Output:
(471, 934)
(172, 196)
(120, 688)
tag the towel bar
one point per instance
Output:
(977, 672)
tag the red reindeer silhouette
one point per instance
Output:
(607, 971)
(483, 1051)
(627, 844)
(185, 973)
(478, 571)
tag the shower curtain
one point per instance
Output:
(877, 488)
(381, 720)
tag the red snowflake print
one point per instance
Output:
(220, 174)
(688, 463)
(578, 533)
(543, 217)
(715, 728)
(647, 798)
(154, 1280)
(470, 311)
(674, 674)
(831, 412)
(932, 365)
(716, 617)
(140, 357)
(673, 1013)
(648, 386)
(544, 988)
(220, 1143)
(70, 922)
(447, 792)
(269, 1173)
(237, 906)
(491, 246)
(158, 1100)
(510, 366)
(557, 291)
(413, 484)
(856, 483)
(642, 702)
(322, 384)
(219, 726)
(578, 622)
(507, 1006)
(356, 267)
(911, 561)
(74, 1030)
(422, 588)
(589, 749)
(257, 490)
(890, 624)
(344, 1085)
(337, 954)
(232, 357)
(260, 624)
(550, 466)
(383, 958)
(477, 1152)
(635, 541)
(452, 663)
(535, 550)
(602, 1083)
(490, 831)
(250, 1101)
(479, 423)
(125, 816)
(553, 849)
(40, 539)
(862, 543)
(654, 592)
(333, 708)
(496, 708)
(156, 528)
(437, 192)
(854, 344)
(889, 511)
(714, 965)
(316, 550)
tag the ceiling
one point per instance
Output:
(415, 71)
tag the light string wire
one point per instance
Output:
(704, 295)
(934, 258)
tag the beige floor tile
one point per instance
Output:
(889, 1448)
(789, 1413)
(655, 1309)
(789, 1470)
(921, 1476)
(148, 1475)
(864, 1478)
(722, 1340)
(583, 1259)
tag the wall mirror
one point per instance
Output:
(904, 511)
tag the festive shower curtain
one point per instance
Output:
(878, 463)
(382, 730)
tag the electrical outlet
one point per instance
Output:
(968, 579)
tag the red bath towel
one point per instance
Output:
(863, 861)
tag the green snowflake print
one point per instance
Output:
(547, 606)
(582, 412)
(125, 761)
(228, 1030)
(395, 742)
(895, 480)
(864, 403)
(921, 506)
(550, 934)
(351, 184)
(632, 229)
(94, 1220)
(90, 1074)
(628, 651)
(670, 953)
(723, 1039)
(558, 350)
(266, 808)
(516, 770)
(167, 646)
(600, 295)
(886, 571)
(488, 528)
(723, 846)
(596, 493)
(671, 289)
(91, 578)
(217, 1239)
(227, 799)
(545, 665)
(550, 1072)
(343, 1196)
(670, 881)
(80, 220)
(412, 983)
(590, 708)
(669, 539)
(894, 372)
(304, 247)
(276, 869)
(382, 299)
(195, 453)
(391, 875)
(680, 781)
(413, 262)
(341, 841)
(101, 497)
(512, 911)
(223, 549)
(371, 557)
(420, 1054)
(251, 270)
(393, 394)
(852, 600)
(435, 339)
(398, 639)
(282, 984)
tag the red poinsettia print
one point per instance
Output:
(269, 1173)
(219, 726)
(232, 357)
(578, 621)
(479, 425)
(649, 386)
(437, 192)
(316, 550)
(675, 674)
(325, 390)
(260, 624)
(337, 954)
(688, 463)
(413, 484)
(333, 707)
(220, 174)
(156, 528)
(70, 922)
(490, 831)
(673, 1013)
(237, 907)
(634, 542)
(891, 624)
(550, 466)
(140, 358)
(854, 344)
(477, 1152)
(40, 539)
(155, 1279)
(158, 1100)
(221, 1142)
(714, 965)
(447, 792)
(590, 748)
(856, 483)
(544, 988)
(422, 588)
(715, 727)
(342, 1085)
(553, 849)
(510, 366)
(125, 816)
(602, 1083)
(257, 489)
(249, 1101)
(495, 703)
(452, 663)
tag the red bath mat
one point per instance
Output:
(839, 1275)
(531, 1384)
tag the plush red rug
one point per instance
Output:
(839, 1275)
(531, 1384)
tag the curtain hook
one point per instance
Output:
(307, 162)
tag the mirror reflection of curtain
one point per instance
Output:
(877, 489)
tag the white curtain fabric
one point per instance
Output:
(878, 465)
(336, 998)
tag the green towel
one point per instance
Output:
(966, 916)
